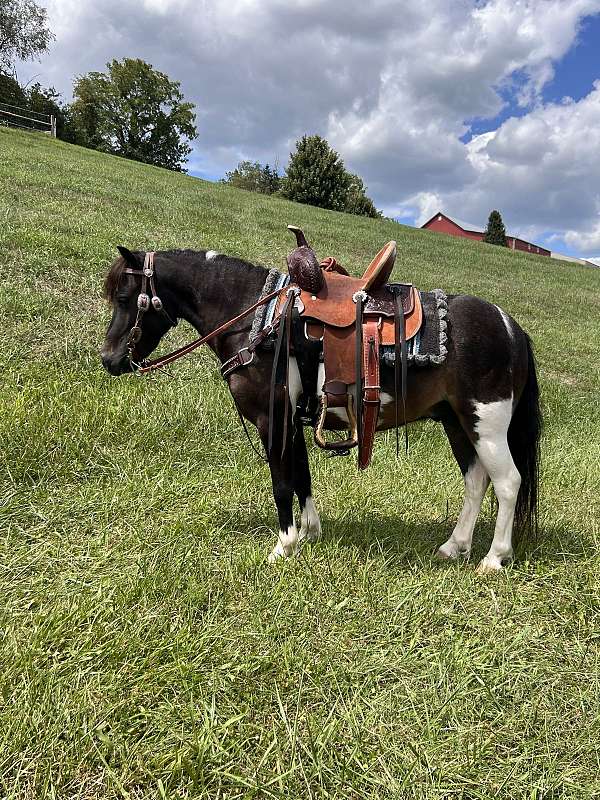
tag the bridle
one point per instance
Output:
(144, 301)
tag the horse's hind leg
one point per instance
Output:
(476, 482)
(310, 524)
(491, 428)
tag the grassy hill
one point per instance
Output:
(148, 650)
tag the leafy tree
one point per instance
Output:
(357, 201)
(495, 233)
(49, 101)
(316, 175)
(253, 177)
(133, 111)
(24, 33)
(11, 92)
(35, 98)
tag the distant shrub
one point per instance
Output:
(254, 177)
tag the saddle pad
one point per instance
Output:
(264, 314)
(429, 347)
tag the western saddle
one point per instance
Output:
(353, 318)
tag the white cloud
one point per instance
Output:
(390, 85)
(586, 241)
(542, 170)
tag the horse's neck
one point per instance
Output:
(214, 293)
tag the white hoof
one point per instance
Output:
(310, 530)
(489, 565)
(287, 545)
(451, 551)
(309, 535)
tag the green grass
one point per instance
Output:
(148, 651)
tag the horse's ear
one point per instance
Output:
(128, 257)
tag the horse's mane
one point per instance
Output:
(113, 278)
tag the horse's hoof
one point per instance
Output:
(281, 551)
(309, 536)
(488, 566)
(451, 553)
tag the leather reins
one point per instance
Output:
(144, 302)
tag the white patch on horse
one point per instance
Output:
(459, 543)
(385, 399)
(310, 524)
(211, 255)
(507, 323)
(339, 412)
(492, 448)
(295, 384)
(320, 379)
(287, 544)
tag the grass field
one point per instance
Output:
(147, 648)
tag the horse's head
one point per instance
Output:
(139, 319)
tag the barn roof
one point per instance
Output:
(466, 226)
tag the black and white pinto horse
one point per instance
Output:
(485, 394)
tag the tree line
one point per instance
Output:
(315, 175)
(134, 111)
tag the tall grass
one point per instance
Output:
(149, 651)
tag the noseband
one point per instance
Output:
(144, 301)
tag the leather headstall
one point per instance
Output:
(144, 302)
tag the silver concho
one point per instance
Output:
(143, 302)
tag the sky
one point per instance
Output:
(454, 105)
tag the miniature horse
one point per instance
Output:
(485, 393)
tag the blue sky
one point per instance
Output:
(454, 104)
(574, 75)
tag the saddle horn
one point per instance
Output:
(303, 265)
(300, 237)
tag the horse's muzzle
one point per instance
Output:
(115, 366)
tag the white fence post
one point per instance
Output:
(53, 126)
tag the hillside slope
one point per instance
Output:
(147, 648)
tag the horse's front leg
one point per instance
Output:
(282, 477)
(310, 524)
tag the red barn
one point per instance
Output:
(456, 227)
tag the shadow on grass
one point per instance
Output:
(415, 542)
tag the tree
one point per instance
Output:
(37, 99)
(49, 102)
(11, 92)
(495, 233)
(133, 111)
(24, 33)
(253, 177)
(357, 201)
(316, 175)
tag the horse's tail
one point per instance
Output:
(524, 434)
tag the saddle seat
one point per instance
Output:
(353, 317)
